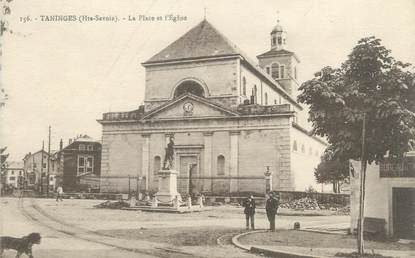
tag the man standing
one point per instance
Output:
(59, 192)
(271, 208)
(249, 211)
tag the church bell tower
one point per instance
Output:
(278, 37)
(279, 63)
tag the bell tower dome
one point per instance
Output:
(278, 37)
(280, 63)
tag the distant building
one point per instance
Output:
(231, 118)
(389, 195)
(35, 165)
(14, 174)
(80, 159)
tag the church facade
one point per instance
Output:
(231, 120)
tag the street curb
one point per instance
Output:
(321, 232)
(278, 253)
(268, 252)
(236, 242)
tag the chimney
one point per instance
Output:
(61, 145)
(70, 140)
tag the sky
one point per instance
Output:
(67, 74)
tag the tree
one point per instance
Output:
(331, 170)
(371, 92)
(3, 157)
(5, 10)
(3, 165)
(4, 27)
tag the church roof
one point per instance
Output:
(204, 41)
(280, 52)
(15, 164)
(85, 138)
(201, 41)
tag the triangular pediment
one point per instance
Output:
(203, 40)
(189, 106)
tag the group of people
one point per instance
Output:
(271, 207)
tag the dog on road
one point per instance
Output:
(21, 245)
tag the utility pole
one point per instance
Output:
(47, 177)
(361, 221)
(41, 167)
(137, 188)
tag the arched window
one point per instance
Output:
(189, 86)
(266, 98)
(221, 165)
(275, 71)
(254, 95)
(268, 70)
(156, 167)
(244, 86)
(310, 151)
(295, 72)
(302, 148)
(295, 145)
(279, 40)
(282, 71)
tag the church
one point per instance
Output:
(232, 120)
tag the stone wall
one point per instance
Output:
(247, 145)
(378, 194)
(218, 77)
(305, 159)
(121, 156)
(289, 62)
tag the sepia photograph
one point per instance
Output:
(207, 128)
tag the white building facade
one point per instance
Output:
(389, 195)
(231, 119)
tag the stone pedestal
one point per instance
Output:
(167, 190)
(268, 182)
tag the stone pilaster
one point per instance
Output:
(233, 161)
(207, 161)
(145, 160)
(105, 166)
(285, 178)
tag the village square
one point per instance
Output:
(226, 154)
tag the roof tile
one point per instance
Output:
(202, 40)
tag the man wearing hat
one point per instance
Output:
(249, 211)
(271, 208)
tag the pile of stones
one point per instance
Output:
(112, 205)
(343, 210)
(312, 204)
(301, 204)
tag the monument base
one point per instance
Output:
(167, 190)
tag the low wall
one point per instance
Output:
(285, 196)
(340, 199)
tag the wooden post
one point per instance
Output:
(129, 187)
(360, 225)
(47, 177)
(137, 188)
(41, 168)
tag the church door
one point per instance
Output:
(188, 168)
(403, 213)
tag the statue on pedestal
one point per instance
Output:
(169, 156)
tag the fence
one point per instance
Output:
(215, 187)
(211, 185)
(339, 200)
